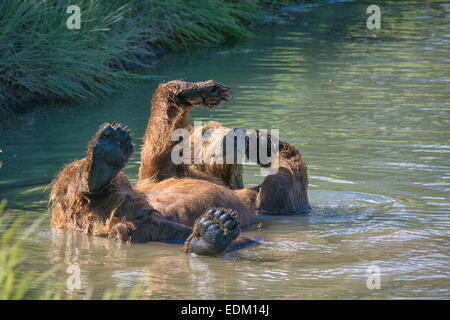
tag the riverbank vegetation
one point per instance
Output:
(14, 285)
(17, 283)
(41, 59)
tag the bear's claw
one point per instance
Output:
(214, 232)
(208, 94)
(108, 152)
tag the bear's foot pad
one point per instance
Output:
(213, 232)
(108, 152)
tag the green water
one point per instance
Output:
(369, 111)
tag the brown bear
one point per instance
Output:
(201, 205)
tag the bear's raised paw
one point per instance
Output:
(208, 94)
(108, 152)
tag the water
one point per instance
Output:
(369, 112)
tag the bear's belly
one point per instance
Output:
(185, 200)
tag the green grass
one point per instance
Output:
(16, 283)
(41, 59)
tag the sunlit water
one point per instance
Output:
(369, 111)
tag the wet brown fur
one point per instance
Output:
(73, 208)
(180, 193)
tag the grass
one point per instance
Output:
(13, 284)
(41, 59)
(16, 283)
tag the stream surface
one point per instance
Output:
(368, 110)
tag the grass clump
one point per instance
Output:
(41, 59)
(14, 283)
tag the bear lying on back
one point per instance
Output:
(201, 205)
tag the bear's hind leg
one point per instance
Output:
(213, 233)
(284, 190)
(108, 152)
(87, 191)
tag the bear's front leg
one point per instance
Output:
(213, 233)
(207, 94)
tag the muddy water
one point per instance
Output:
(369, 111)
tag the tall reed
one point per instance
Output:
(41, 59)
